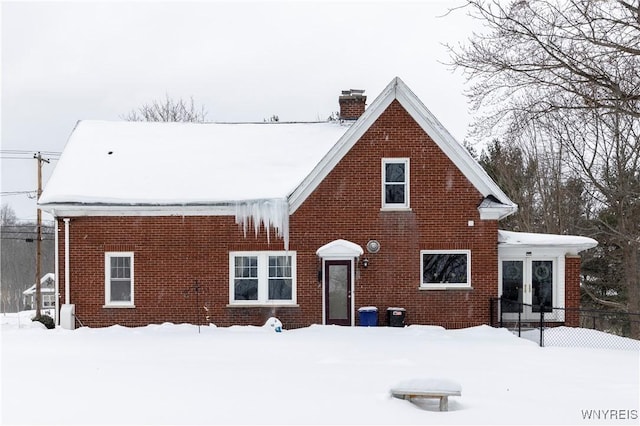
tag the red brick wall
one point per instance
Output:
(352, 107)
(442, 202)
(171, 253)
(572, 290)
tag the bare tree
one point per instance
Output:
(549, 201)
(168, 110)
(544, 55)
(7, 215)
(561, 79)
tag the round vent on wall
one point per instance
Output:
(373, 246)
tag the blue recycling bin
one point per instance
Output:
(368, 316)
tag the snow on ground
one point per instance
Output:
(178, 374)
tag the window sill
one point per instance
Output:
(119, 306)
(395, 209)
(444, 287)
(263, 305)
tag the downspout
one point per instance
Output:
(66, 261)
(56, 273)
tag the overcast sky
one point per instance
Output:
(243, 61)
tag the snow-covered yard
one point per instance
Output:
(174, 374)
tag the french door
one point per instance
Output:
(528, 286)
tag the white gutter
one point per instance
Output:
(56, 272)
(66, 261)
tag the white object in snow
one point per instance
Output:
(273, 323)
(428, 388)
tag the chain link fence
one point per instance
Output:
(545, 325)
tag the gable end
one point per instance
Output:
(398, 90)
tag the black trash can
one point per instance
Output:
(368, 316)
(396, 316)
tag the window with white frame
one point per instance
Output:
(119, 283)
(262, 277)
(445, 268)
(48, 301)
(395, 183)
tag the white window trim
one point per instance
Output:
(445, 286)
(107, 280)
(396, 206)
(48, 301)
(263, 279)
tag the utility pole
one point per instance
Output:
(38, 157)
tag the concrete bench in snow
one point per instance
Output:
(428, 388)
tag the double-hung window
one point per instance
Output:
(262, 278)
(445, 268)
(48, 301)
(119, 282)
(395, 183)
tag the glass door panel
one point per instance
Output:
(542, 285)
(512, 285)
(338, 292)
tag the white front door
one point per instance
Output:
(339, 258)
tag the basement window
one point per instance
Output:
(259, 278)
(119, 282)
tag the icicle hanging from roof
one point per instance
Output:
(268, 213)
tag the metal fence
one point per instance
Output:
(545, 325)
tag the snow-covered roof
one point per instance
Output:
(339, 248)
(142, 163)
(50, 277)
(572, 243)
(227, 168)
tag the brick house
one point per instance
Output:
(235, 223)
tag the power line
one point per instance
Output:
(23, 225)
(20, 222)
(28, 152)
(17, 192)
(24, 158)
(29, 240)
(27, 232)
(19, 154)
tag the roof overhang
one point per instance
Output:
(521, 242)
(491, 209)
(81, 209)
(340, 249)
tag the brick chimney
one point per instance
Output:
(352, 103)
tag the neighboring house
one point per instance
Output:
(235, 223)
(47, 294)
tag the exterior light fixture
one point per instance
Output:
(373, 246)
(365, 262)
